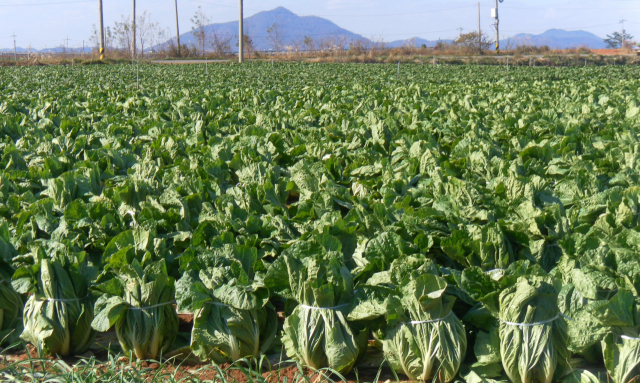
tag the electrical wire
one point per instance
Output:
(544, 30)
(555, 8)
(40, 4)
(385, 34)
(351, 15)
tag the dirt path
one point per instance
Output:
(177, 62)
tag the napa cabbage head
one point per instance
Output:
(233, 318)
(621, 345)
(424, 337)
(317, 333)
(58, 313)
(533, 334)
(11, 306)
(138, 302)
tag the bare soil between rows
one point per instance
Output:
(181, 364)
(282, 373)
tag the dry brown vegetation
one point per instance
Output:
(366, 53)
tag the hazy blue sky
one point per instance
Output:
(46, 23)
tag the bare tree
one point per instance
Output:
(172, 47)
(94, 39)
(297, 44)
(158, 39)
(122, 33)
(220, 42)
(109, 38)
(309, 44)
(325, 44)
(247, 42)
(360, 46)
(145, 30)
(341, 43)
(275, 35)
(411, 43)
(200, 23)
(509, 45)
(378, 44)
(335, 44)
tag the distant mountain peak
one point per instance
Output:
(280, 10)
(293, 29)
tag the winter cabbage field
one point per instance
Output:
(472, 223)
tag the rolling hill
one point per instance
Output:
(554, 38)
(557, 39)
(294, 29)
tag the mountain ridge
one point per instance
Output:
(558, 39)
(553, 38)
(326, 34)
(296, 28)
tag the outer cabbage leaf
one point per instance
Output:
(533, 338)
(317, 333)
(58, 315)
(431, 339)
(139, 304)
(233, 318)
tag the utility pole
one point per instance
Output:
(101, 32)
(495, 15)
(479, 32)
(241, 36)
(133, 31)
(622, 45)
(15, 52)
(177, 28)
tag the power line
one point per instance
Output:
(558, 8)
(385, 34)
(544, 30)
(40, 4)
(351, 15)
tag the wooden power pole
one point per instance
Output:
(15, 52)
(101, 32)
(497, 25)
(241, 36)
(177, 28)
(479, 32)
(133, 32)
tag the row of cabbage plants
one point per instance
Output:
(530, 321)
